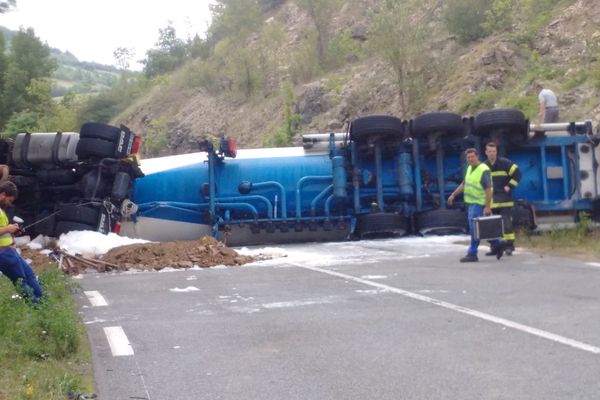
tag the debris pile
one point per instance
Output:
(205, 252)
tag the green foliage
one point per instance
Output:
(108, 104)
(42, 342)
(291, 121)
(404, 44)
(169, 54)
(321, 13)
(342, 49)
(464, 18)
(156, 137)
(479, 101)
(527, 104)
(28, 59)
(499, 17)
(576, 79)
(304, 60)
(22, 121)
(233, 18)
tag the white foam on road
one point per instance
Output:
(463, 310)
(93, 244)
(118, 342)
(297, 303)
(184, 290)
(95, 298)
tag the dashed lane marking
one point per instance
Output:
(119, 344)
(593, 264)
(463, 310)
(95, 298)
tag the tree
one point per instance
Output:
(28, 59)
(3, 68)
(321, 13)
(170, 53)
(235, 18)
(6, 6)
(402, 42)
(123, 56)
(465, 18)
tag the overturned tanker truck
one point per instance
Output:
(72, 180)
(385, 176)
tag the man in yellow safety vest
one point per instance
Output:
(477, 188)
(11, 263)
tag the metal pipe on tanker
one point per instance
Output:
(262, 185)
(302, 182)
(245, 199)
(339, 177)
(379, 176)
(439, 159)
(355, 180)
(234, 206)
(405, 174)
(418, 184)
(211, 180)
(313, 204)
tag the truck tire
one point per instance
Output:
(523, 217)
(68, 226)
(100, 131)
(382, 224)
(90, 147)
(510, 122)
(384, 126)
(449, 124)
(81, 214)
(441, 222)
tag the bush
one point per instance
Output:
(464, 18)
(479, 101)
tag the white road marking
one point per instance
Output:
(95, 298)
(119, 344)
(593, 264)
(474, 313)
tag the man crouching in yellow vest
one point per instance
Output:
(11, 263)
(477, 188)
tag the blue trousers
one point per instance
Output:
(15, 267)
(474, 211)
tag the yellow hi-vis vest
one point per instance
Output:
(5, 239)
(474, 192)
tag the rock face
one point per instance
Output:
(311, 102)
(562, 52)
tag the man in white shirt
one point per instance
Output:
(548, 104)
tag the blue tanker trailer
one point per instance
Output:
(385, 176)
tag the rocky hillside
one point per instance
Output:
(495, 71)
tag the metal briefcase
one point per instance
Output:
(488, 228)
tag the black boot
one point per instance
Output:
(469, 258)
(493, 251)
(500, 250)
(509, 248)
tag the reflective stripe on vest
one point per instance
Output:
(5, 239)
(474, 192)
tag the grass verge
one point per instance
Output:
(44, 352)
(581, 242)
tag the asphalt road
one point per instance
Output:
(391, 319)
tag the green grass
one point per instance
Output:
(44, 352)
(580, 242)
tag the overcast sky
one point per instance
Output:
(93, 29)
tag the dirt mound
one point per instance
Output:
(206, 252)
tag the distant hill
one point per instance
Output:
(72, 75)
